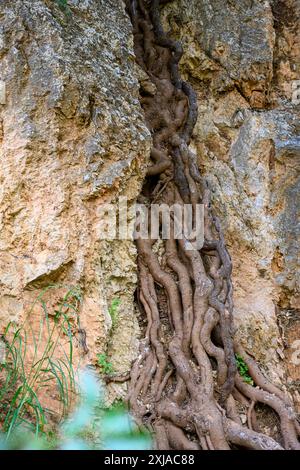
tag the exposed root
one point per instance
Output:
(250, 439)
(184, 384)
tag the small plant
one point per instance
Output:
(106, 367)
(31, 363)
(63, 5)
(113, 312)
(243, 369)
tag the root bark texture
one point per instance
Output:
(184, 385)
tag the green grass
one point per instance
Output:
(25, 372)
(33, 360)
(243, 369)
(90, 426)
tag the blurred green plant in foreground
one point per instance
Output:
(37, 356)
(89, 427)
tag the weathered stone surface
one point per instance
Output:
(241, 59)
(73, 138)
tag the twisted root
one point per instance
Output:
(184, 384)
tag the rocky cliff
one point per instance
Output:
(73, 137)
(243, 58)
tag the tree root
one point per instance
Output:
(184, 384)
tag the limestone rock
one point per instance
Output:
(72, 137)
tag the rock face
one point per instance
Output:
(241, 57)
(73, 137)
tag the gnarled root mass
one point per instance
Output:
(184, 385)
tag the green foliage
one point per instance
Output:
(113, 311)
(64, 7)
(243, 369)
(89, 427)
(106, 367)
(30, 364)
